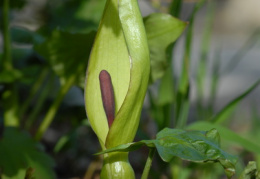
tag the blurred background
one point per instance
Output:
(224, 70)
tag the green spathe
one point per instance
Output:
(121, 49)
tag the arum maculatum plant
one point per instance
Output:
(116, 83)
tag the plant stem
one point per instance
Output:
(93, 166)
(40, 101)
(148, 163)
(54, 107)
(10, 95)
(33, 91)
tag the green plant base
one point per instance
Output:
(117, 166)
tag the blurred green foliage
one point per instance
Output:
(45, 64)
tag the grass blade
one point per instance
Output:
(203, 61)
(223, 115)
(182, 96)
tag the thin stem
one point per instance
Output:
(54, 107)
(39, 104)
(238, 56)
(148, 163)
(34, 89)
(94, 165)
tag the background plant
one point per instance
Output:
(34, 82)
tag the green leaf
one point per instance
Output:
(121, 49)
(196, 146)
(229, 108)
(67, 54)
(227, 135)
(250, 171)
(20, 152)
(162, 30)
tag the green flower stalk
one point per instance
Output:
(116, 82)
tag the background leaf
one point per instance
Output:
(162, 30)
(67, 54)
(18, 152)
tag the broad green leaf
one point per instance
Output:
(121, 49)
(230, 107)
(162, 30)
(19, 152)
(227, 135)
(196, 146)
(67, 54)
